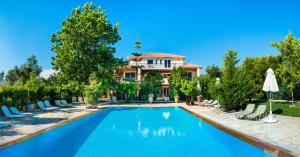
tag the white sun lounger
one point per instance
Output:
(65, 103)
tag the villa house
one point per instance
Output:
(164, 63)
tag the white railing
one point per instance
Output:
(157, 66)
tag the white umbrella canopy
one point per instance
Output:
(270, 85)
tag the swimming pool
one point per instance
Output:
(135, 132)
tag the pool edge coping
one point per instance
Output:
(31, 135)
(266, 146)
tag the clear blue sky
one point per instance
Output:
(200, 30)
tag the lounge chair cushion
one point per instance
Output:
(58, 103)
(64, 103)
(14, 110)
(43, 108)
(249, 109)
(261, 109)
(41, 105)
(8, 114)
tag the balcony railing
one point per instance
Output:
(158, 66)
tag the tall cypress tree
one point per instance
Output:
(229, 83)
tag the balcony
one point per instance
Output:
(157, 66)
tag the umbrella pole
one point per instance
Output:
(270, 103)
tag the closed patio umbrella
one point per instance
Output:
(270, 86)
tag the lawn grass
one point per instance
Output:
(284, 109)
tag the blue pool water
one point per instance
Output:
(135, 132)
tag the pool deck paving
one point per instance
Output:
(285, 133)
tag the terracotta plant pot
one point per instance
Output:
(188, 100)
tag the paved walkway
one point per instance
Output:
(285, 133)
(39, 121)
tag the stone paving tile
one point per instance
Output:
(284, 133)
(39, 121)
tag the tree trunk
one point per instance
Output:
(292, 99)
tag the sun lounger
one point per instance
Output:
(75, 101)
(65, 104)
(43, 108)
(58, 103)
(249, 109)
(14, 110)
(8, 114)
(3, 125)
(209, 101)
(114, 100)
(213, 104)
(49, 106)
(204, 102)
(258, 114)
(80, 99)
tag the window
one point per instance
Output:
(156, 61)
(167, 63)
(189, 76)
(130, 75)
(150, 61)
(160, 62)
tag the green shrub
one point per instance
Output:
(127, 90)
(92, 91)
(151, 84)
(189, 88)
(20, 95)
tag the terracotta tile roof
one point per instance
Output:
(190, 66)
(157, 55)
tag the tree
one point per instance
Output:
(189, 88)
(34, 86)
(177, 76)
(229, 94)
(84, 45)
(31, 67)
(2, 81)
(93, 90)
(255, 69)
(289, 49)
(204, 81)
(127, 90)
(137, 57)
(213, 71)
(151, 84)
(19, 75)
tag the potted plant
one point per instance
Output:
(150, 98)
(176, 98)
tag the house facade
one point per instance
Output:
(162, 62)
